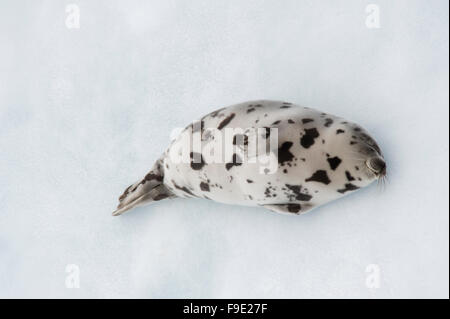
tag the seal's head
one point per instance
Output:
(374, 163)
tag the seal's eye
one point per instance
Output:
(377, 165)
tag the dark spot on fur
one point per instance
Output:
(284, 155)
(152, 176)
(251, 110)
(328, 122)
(204, 186)
(226, 121)
(285, 106)
(294, 208)
(266, 133)
(320, 176)
(249, 181)
(276, 122)
(348, 187)
(240, 139)
(308, 138)
(291, 121)
(349, 176)
(236, 161)
(339, 131)
(353, 143)
(197, 161)
(297, 193)
(304, 121)
(334, 162)
(197, 126)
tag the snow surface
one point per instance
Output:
(85, 112)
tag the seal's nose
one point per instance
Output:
(377, 165)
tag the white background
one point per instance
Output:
(85, 112)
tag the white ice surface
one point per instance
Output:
(85, 112)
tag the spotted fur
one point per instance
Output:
(319, 158)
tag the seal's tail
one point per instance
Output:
(151, 188)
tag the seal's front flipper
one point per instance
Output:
(291, 208)
(151, 188)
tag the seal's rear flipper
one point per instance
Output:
(151, 188)
(291, 208)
